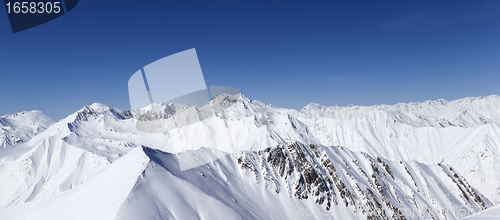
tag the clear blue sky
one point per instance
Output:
(287, 53)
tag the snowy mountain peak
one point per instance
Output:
(98, 106)
(21, 127)
(95, 111)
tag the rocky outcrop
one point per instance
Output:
(374, 187)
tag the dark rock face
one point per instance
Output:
(85, 114)
(8, 139)
(374, 187)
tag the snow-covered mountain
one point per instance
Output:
(21, 127)
(413, 161)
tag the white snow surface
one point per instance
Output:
(94, 164)
(489, 214)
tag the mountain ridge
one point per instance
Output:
(75, 150)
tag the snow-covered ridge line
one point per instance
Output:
(466, 112)
(411, 106)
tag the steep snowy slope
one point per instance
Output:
(97, 198)
(21, 127)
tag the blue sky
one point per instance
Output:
(287, 53)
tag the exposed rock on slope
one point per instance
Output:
(375, 187)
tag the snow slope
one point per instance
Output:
(98, 198)
(489, 214)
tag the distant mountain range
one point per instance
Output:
(431, 160)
